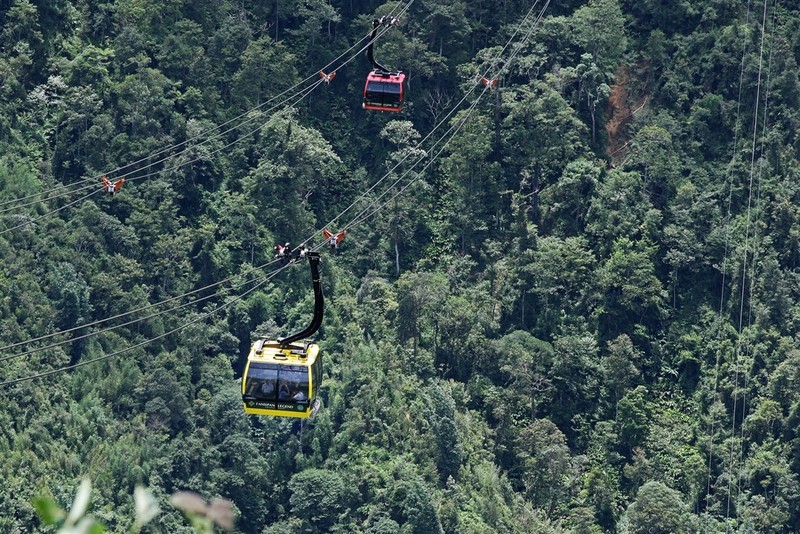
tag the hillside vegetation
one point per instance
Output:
(578, 313)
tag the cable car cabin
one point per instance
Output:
(384, 91)
(282, 377)
(282, 380)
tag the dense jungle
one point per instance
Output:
(568, 300)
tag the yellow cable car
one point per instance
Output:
(282, 377)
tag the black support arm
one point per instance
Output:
(319, 304)
(370, 54)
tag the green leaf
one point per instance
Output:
(48, 510)
(87, 525)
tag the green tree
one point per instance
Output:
(692, 218)
(526, 361)
(592, 88)
(621, 366)
(600, 30)
(621, 208)
(547, 469)
(575, 377)
(266, 69)
(419, 294)
(470, 185)
(449, 453)
(657, 509)
(631, 289)
(652, 154)
(445, 21)
(22, 40)
(417, 508)
(316, 15)
(633, 418)
(182, 55)
(540, 134)
(563, 280)
(319, 497)
(71, 295)
(400, 224)
(565, 203)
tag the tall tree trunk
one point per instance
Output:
(497, 118)
(537, 171)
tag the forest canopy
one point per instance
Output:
(567, 300)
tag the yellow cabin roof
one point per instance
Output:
(273, 352)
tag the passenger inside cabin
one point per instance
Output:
(253, 387)
(268, 389)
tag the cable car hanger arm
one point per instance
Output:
(377, 23)
(319, 304)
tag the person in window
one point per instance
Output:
(300, 395)
(283, 392)
(268, 389)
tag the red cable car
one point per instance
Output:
(383, 90)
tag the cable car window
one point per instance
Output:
(261, 381)
(293, 383)
(375, 89)
(383, 94)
